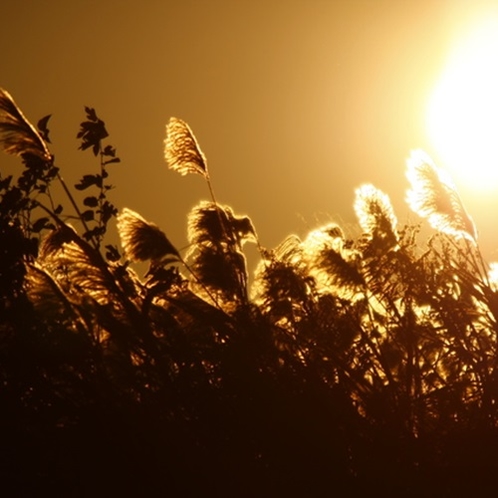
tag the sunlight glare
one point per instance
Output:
(462, 116)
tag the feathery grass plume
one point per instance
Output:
(47, 296)
(290, 250)
(181, 151)
(333, 266)
(328, 236)
(288, 254)
(17, 135)
(222, 272)
(493, 276)
(54, 241)
(323, 237)
(85, 271)
(375, 214)
(217, 237)
(142, 240)
(77, 267)
(434, 196)
(183, 154)
(282, 285)
(209, 223)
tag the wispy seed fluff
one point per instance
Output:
(433, 196)
(181, 150)
(375, 214)
(142, 240)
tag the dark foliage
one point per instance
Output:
(347, 367)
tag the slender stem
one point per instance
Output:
(218, 208)
(215, 301)
(75, 206)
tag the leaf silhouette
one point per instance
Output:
(91, 201)
(40, 224)
(43, 129)
(92, 132)
(88, 215)
(89, 180)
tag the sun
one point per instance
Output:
(462, 117)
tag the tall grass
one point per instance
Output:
(348, 363)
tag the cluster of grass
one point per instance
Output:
(345, 366)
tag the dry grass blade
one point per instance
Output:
(181, 151)
(433, 196)
(17, 135)
(142, 240)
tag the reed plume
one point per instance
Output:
(434, 196)
(375, 214)
(17, 135)
(142, 240)
(493, 276)
(181, 151)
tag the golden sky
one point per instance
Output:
(294, 102)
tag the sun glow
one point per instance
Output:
(462, 116)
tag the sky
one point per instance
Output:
(295, 103)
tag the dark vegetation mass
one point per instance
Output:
(343, 366)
